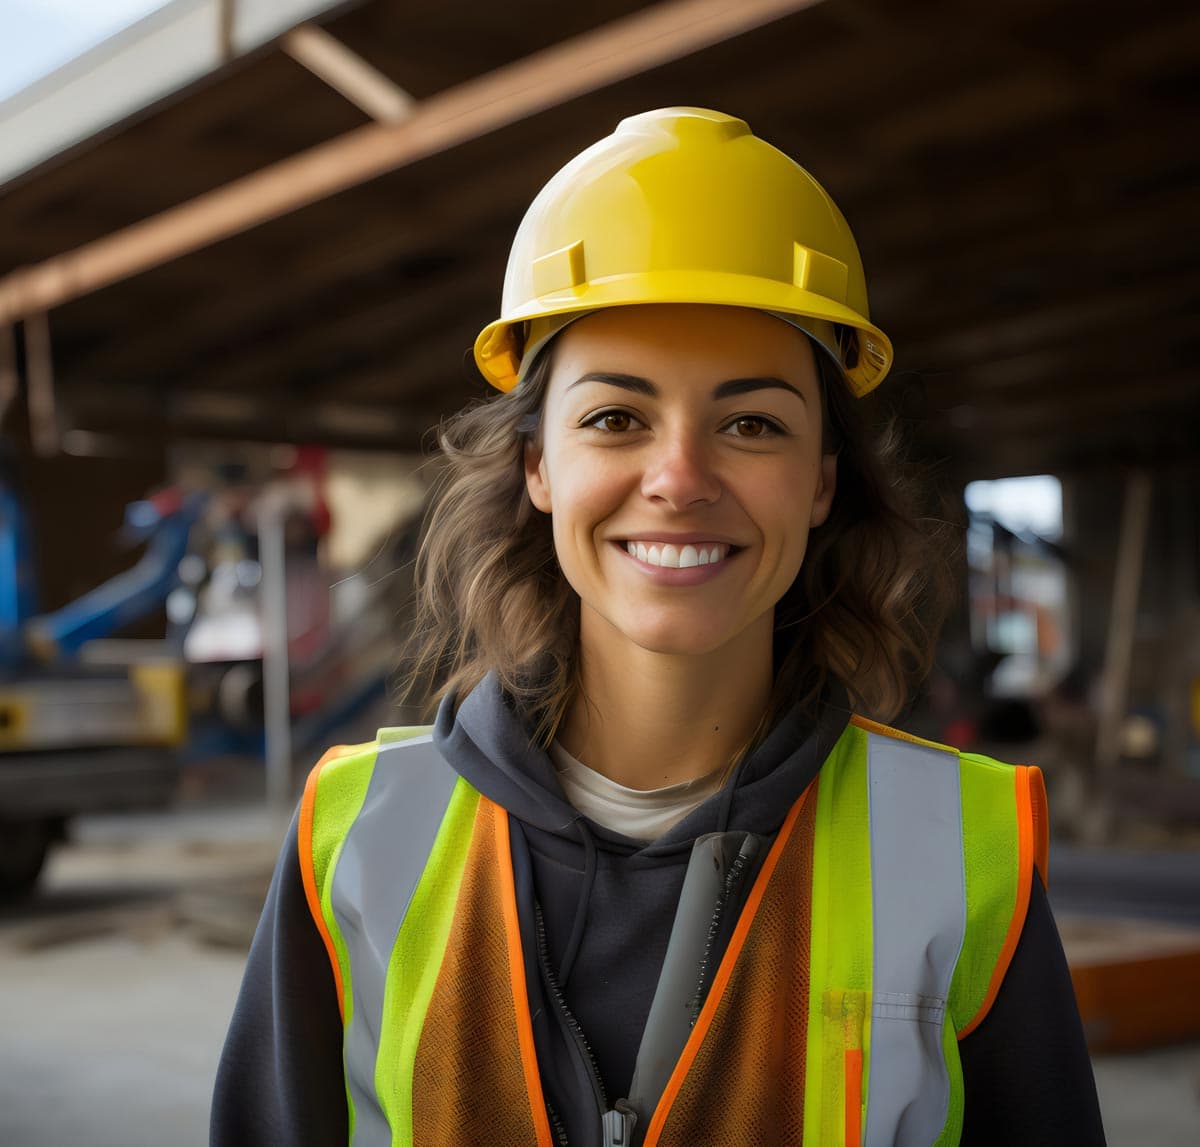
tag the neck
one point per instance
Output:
(646, 719)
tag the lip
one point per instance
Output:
(691, 539)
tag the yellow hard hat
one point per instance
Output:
(684, 205)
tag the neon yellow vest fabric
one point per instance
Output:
(816, 1016)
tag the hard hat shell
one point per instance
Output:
(685, 205)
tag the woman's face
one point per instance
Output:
(680, 461)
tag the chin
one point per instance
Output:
(678, 639)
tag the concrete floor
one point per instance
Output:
(112, 1042)
(113, 1009)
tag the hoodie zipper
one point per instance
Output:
(556, 1125)
(617, 1124)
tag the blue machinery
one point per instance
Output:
(164, 522)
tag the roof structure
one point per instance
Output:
(302, 242)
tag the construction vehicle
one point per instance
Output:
(86, 724)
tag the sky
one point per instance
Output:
(37, 36)
(1033, 503)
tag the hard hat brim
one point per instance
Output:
(498, 348)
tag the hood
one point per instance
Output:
(489, 746)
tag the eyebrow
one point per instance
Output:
(728, 389)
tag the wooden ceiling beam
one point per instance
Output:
(647, 39)
(331, 262)
(433, 373)
(1009, 217)
(1079, 320)
(348, 73)
(378, 332)
(141, 410)
(1072, 409)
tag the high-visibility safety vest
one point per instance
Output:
(874, 937)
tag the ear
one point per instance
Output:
(536, 481)
(826, 488)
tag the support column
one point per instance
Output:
(272, 519)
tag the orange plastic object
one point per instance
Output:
(1137, 982)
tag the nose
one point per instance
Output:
(680, 472)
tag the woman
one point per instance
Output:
(655, 877)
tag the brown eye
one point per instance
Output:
(615, 421)
(751, 427)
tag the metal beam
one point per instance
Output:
(668, 31)
(348, 74)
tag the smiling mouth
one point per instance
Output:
(678, 557)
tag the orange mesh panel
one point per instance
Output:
(468, 1079)
(746, 1084)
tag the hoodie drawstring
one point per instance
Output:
(581, 910)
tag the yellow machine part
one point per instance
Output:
(147, 705)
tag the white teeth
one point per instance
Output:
(675, 557)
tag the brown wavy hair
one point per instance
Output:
(864, 609)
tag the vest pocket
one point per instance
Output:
(843, 1013)
(909, 1086)
(909, 1006)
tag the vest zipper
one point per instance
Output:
(618, 1123)
(733, 879)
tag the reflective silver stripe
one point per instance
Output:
(919, 913)
(399, 821)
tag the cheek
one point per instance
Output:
(579, 507)
(786, 501)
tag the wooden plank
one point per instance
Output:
(654, 36)
(348, 74)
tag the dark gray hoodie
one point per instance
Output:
(596, 911)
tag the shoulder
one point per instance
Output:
(987, 785)
(881, 730)
(1004, 840)
(341, 762)
(340, 777)
(335, 790)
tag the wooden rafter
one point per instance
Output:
(348, 73)
(667, 31)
